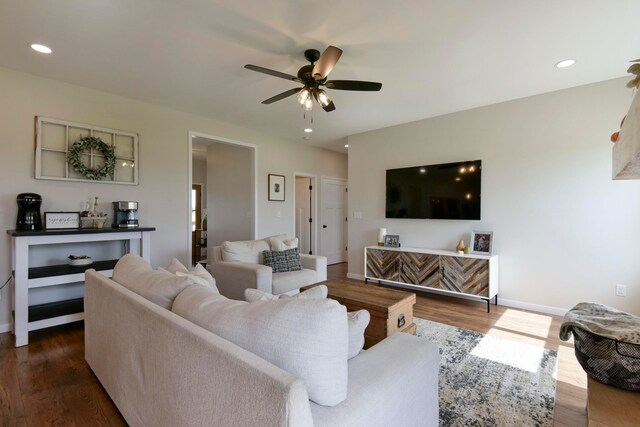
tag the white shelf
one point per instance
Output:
(26, 278)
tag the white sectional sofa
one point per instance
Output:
(160, 369)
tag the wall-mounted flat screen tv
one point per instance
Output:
(445, 191)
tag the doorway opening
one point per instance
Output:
(222, 189)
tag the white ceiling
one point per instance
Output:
(432, 57)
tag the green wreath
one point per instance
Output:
(91, 142)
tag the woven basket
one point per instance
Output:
(92, 222)
(608, 361)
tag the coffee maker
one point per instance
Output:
(29, 218)
(125, 214)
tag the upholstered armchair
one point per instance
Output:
(237, 266)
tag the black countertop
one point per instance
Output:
(69, 231)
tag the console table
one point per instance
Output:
(433, 269)
(29, 318)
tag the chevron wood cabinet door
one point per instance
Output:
(435, 270)
(465, 275)
(420, 269)
(383, 264)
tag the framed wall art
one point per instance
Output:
(69, 151)
(276, 188)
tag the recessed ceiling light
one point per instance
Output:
(566, 63)
(308, 130)
(346, 145)
(41, 48)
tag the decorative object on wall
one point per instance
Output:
(482, 242)
(460, 247)
(69, 151)
(626, 151)
(28, 212)
(392, 241)
(276, 188)
(381, 233)
(634, 69)
(59, 220)
(81, 146)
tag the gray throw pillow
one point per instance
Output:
(281, 261)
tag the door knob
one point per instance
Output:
(324, 226)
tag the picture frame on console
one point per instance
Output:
(392, 241)
(276, 188)
(482, 242)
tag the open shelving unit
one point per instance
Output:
(30, 317)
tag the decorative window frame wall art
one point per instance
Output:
(54, 139)
(482, 242)
(276, 187)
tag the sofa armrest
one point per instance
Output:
(317, 263)
(232, 277)
(394, 383)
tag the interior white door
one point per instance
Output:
(303, 214)
(334, 219)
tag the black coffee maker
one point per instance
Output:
(29, 218)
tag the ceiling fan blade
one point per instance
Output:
(282, 95)
(272, 72)
(329, 107)
(353, 85)
(326, 63)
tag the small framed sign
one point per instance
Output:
(59, 220)
(276, 187)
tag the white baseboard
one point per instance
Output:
(5, 327)
(506, 302)
(533, 307)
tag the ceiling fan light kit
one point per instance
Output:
(313, 76)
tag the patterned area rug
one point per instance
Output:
(490, 381)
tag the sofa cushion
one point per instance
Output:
(244, 251)
(306, 337)
(253, 295)
(290, 280)
(278, 244)
(158, 286)
(358, 322)
(198, 275)
(281, 261)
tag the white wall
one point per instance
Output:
(230, 193)
(164, 190)
(565, 232)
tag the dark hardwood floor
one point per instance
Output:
(48, 383)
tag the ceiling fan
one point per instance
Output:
(314, 76)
